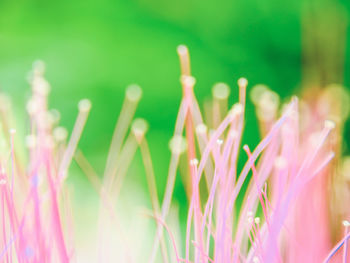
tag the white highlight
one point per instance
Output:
(221, 91)
(242, 82)
(201, 128)
(32, 106)
(219, 141)
(60, 134)
(40, 86)
(139, 127)
(133, 92)
(236, 110)
(256, 92)
(257, 220)
(178, 144)
(194, 162)
(250, 218)
(188, 81)
(346, 223)
(329, 124)
(84, 105)
(182, 49)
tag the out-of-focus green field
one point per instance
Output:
(94, 49)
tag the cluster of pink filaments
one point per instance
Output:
(283, 216)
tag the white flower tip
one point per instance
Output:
(257, 91)
(346, 223)
(178, 144)
(219, 141)
(221, 91)
(194, 162)
(84, 105)
(329, 124)
(242, 82)
(267, 105)
(12, 131)
(60, 134)
(133, 92)
(236, 110)
(40, 86)
(250, 217)
(257, 220)
(188, 81)
(139, 127)
(182, 50)
(201, 128)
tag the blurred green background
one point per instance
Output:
(94, 49)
